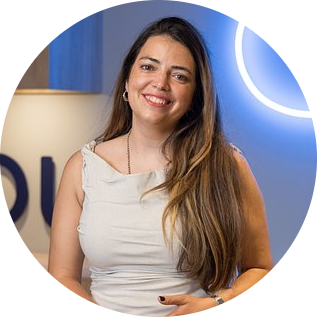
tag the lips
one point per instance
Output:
(157, 101)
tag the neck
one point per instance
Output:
(144, 149)
(147, 140)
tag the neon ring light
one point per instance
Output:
(252, 87)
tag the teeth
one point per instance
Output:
(156, 100)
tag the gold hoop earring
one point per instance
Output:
(125, 96)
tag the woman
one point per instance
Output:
(168, 213)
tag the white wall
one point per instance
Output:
(46, 125)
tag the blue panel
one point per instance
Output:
(75, 57)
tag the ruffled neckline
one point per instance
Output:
(89, 148)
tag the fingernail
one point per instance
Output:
(161, 298)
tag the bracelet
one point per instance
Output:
(218, 299)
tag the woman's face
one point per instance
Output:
(161, 83)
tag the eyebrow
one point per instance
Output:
(178, 67)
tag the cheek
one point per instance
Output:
(136, 82)
(135, 87)
(187, 98)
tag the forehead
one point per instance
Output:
(163, 47)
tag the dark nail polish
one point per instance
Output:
(162, 298)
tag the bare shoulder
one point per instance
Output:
(113, 151)
(248, 181)
(250, 190)
(110, 145)
(71, 181)
(243, 165)
(74, 164)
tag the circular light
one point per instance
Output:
(252, 87)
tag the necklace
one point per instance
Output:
(128, 152)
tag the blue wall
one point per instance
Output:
(280, 149)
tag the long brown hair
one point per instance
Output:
(205, 206)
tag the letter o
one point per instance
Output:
(20, 186)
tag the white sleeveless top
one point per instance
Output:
(121, 236)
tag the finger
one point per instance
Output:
(173, 299)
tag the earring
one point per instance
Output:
(125, 96)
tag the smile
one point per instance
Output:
(156, 101)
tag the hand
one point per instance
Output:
(186, 304)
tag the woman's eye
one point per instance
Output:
(181, 77)
(147, 67)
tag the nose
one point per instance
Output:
(160, 81)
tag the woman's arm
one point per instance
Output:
(256, 257)
(66, 257)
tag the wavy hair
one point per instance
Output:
(204, 210)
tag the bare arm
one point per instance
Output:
(66, 257)
(256, 259)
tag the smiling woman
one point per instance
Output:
(166, 211)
